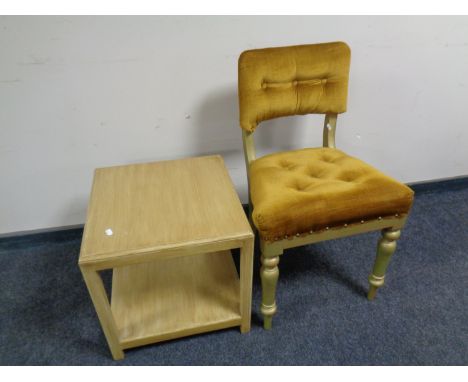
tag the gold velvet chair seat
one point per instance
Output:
(305, 190)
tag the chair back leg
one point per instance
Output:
(385, 249)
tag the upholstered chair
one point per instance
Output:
(309, 195)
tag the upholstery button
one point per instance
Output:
(300, 188)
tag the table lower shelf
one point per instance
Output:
(172, 298)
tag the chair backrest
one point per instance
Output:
(292, 80)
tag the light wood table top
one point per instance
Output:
(159, 207)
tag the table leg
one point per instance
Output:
(101, 304)
(246, 275)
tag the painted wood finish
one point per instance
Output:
(385, 249)
(269, 274)
(271, 250)
(329, 129)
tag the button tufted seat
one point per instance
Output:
(310, 189)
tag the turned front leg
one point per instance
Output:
(269, 274)
(385, 250)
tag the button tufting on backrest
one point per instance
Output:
(293, 80)
(287, 84)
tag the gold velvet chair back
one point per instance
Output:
(310, 195)
(305, 79)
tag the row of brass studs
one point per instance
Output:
(328, 228)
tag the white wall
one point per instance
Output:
(83, 92)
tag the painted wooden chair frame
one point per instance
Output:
(269, 272)
(390, 227)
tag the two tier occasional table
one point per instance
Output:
(166, 229)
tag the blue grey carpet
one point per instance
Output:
(420, 317)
